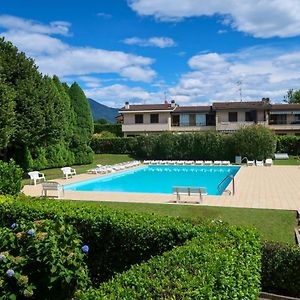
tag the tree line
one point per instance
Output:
(44, 123)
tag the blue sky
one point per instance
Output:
(140, 50)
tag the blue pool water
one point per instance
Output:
(159, 179)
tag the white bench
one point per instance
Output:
(281, 156)
(189, 191)
(52, 186)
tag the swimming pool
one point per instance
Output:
(159, 179)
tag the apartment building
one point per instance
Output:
(220, 116)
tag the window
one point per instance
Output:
(154, 118)
(175, 120)
(232, 116)
(278, 119)
(139, 119)
(250, 116)
(200, 120)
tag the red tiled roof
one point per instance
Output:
(192, 109)
(240, 105)
(286, 106)
(142, 107)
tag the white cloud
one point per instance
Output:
(16, 23)
(262, 18)
(53, 56)
(264, 72)
(160, 42)
(104, 15)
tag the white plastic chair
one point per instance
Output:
(268, 162)
(68, 172)
(36, 176)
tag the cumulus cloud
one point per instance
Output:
(16, 23)
(160, 42)
(264, 72)
(264, 18)
(53, 56)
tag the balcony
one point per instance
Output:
(157, 127)
(290, 126)
(191, 128)
(233, 126)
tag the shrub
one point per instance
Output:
(112, 145)
(42, 260)
(288, 144)
(117, 239)
(116, 129)
(281, 269)
(221, 263)
(254, 142)
(10, 178)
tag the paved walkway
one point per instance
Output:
(276, 187)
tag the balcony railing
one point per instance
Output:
(145, 127)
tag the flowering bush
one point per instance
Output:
(41, 259)
(10, 178)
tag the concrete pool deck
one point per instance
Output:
(275, 187)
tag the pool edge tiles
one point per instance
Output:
(158, 179)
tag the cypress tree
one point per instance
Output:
(84, 126)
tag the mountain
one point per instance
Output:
(101, 111)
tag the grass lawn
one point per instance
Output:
(292, 161)
(103, 159)
(273, 225)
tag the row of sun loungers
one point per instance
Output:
(260, 163)
(188, 162)
(100, 169)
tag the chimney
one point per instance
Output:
(127, 106)
(266, 100)
(173, 104)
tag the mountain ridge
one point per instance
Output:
(101, 111)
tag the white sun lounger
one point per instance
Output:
(259, 163)
(217, 163)
(268, 162)
(208, 162)
(250, 163)
(199, 162)
(225, 163)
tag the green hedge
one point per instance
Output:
(288, 144)
(117, 239)
(281, 269)
(221, 263)
(254, 142)
(10, 178)
(113, 128)
(112, 145)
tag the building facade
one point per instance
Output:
(227, 117)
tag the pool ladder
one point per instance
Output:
(233, 185)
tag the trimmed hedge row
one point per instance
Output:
(117, 239)
(254, 142)
(281, 269)
(113, 128)
(112, 145)
(288, 144)
(221, 263)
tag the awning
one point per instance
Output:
(285, 112)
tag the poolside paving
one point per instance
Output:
(275, 187)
